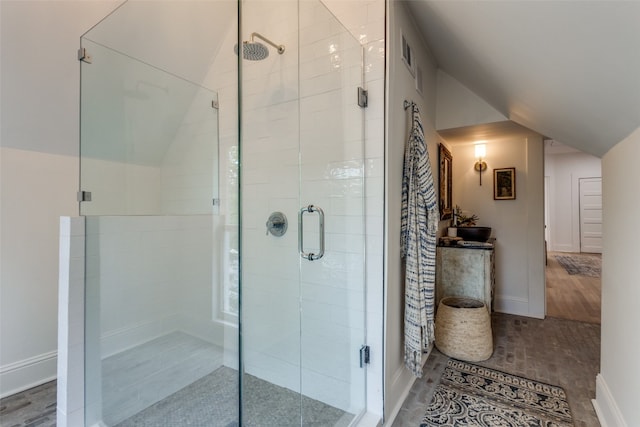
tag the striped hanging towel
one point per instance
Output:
(418, 247)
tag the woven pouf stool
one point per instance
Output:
(463, 329)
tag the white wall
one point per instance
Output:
(39, 146)
(564, 171)
(402, 86)
(33, 195)
(518, 225)
(618, 384)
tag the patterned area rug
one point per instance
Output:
(583, 265)
(470, 395)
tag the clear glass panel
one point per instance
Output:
(149, 139)
(331, 177)
(302, 321)
(159, 156)
(270, 284)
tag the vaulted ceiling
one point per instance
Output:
(569, 70)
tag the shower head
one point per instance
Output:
(256, 51)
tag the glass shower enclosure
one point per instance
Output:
(202, 307)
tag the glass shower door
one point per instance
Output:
(303, 315)
(332, 288)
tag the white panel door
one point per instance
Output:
(591, 215)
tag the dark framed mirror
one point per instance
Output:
(444, 176)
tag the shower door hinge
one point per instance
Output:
(216, 202)
(365, 354)
(84, 56)
(84, 196)
(215, 105)
(363, 97)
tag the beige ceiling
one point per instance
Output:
(569, 70)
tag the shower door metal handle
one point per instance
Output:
(310, 255)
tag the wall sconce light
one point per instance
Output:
(480, 166)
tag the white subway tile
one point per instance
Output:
(329, 390)
(340, 297)
(273, 370)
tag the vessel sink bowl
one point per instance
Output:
(475, 234)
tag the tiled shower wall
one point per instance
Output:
(150, 275)
(270, 290)
(326, 128)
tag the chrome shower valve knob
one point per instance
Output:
(277, 224)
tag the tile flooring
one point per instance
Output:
(556, 351)
(213, 402)
(139, 377)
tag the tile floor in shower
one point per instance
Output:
(136, 378)
(179, 379)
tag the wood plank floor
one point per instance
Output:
(572, 297)
(33, 407)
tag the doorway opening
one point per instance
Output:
(573, 233)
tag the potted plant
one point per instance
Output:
(466, 228)
(462, 220)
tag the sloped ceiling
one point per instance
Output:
(569, 70)
(180, 37)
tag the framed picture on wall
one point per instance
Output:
(504, 184)
(446, 163)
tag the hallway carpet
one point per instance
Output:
(555, 351)
(581, 264)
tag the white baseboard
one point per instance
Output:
(122, 339)
(119, 340)
(403, 380)
(605, 405)
(28, 373)
(511, 305)
(564, 248)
